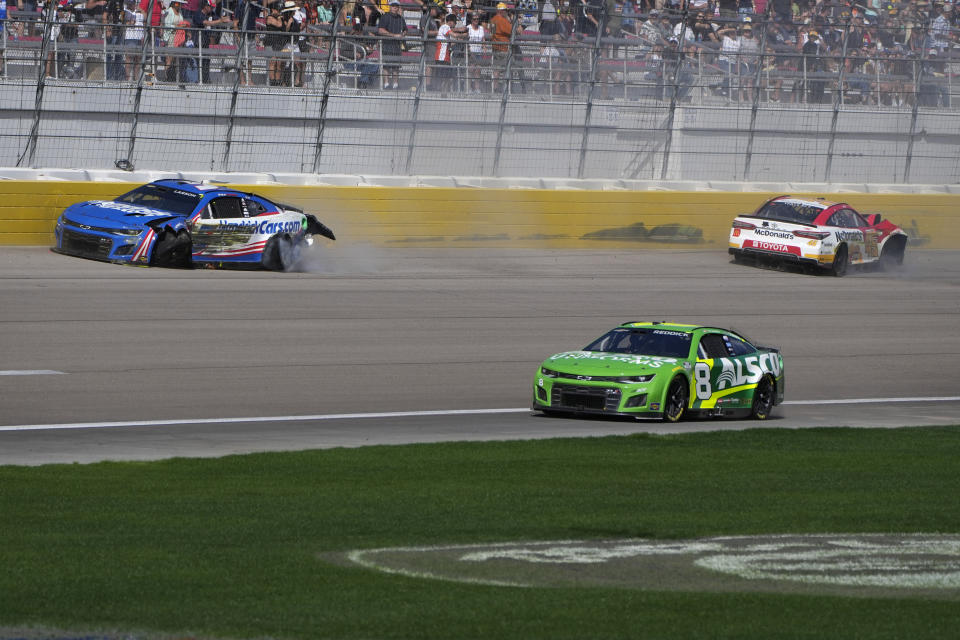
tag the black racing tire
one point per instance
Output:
(763, 398)
(172, 249)
(280, 253)
(183, 252)
(893, 253)
(841, 261)
(675, 402)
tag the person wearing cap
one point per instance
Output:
(291, 28)
(302, 42)
(392, 28)
(813, 62)
(749, 59)
(941, 32)
(649, 30)
(502, 28)
(933, 89)
(459, 55)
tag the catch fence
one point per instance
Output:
(637, 106)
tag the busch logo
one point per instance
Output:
(748, 371)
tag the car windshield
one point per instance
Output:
(164, 198)
(645, 342)
(790, 211)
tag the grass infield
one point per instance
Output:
(228, 547)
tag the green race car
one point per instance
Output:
(662, 370)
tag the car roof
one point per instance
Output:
(660, 324)
(676, 326)
(200, 188)
(822, 203)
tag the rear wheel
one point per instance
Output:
(675, 403)
(840, 262)
(762, 399)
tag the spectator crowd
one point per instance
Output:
(788, 50)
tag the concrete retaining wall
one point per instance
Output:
(449, 216)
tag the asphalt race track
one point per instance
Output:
(380, 346)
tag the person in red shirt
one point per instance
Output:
(157, 17)
(443, 53)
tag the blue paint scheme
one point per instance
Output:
(113, 230)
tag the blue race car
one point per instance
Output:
(176, 223)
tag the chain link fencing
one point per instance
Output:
(684, 96)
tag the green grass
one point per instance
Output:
(228, 547)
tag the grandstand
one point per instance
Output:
(831, 93)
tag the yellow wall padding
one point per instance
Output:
(458, 217)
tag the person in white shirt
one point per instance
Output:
(749, 59)
(729, 59)
(133, 37)
(476, 56)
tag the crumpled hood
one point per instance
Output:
(595, 363)
(118, 214)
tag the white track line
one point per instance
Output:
(327, 416)
(390, 414)
(31, 372)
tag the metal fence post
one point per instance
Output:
(418, 94)
(30, 151)
(756, 98)
(917, 77)
(240, 61)
(325, 97)
(837, 103)
(673, 97)
(147, 41)
(505, 94)
(591, 87)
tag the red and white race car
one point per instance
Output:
(816, 233)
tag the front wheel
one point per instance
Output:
(675, 403)
(762, 399)
(280, 254)
(892, 255)
(172, 249)
(840, 262)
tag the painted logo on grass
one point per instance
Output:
(874, 565)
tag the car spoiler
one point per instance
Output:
(755, 217)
